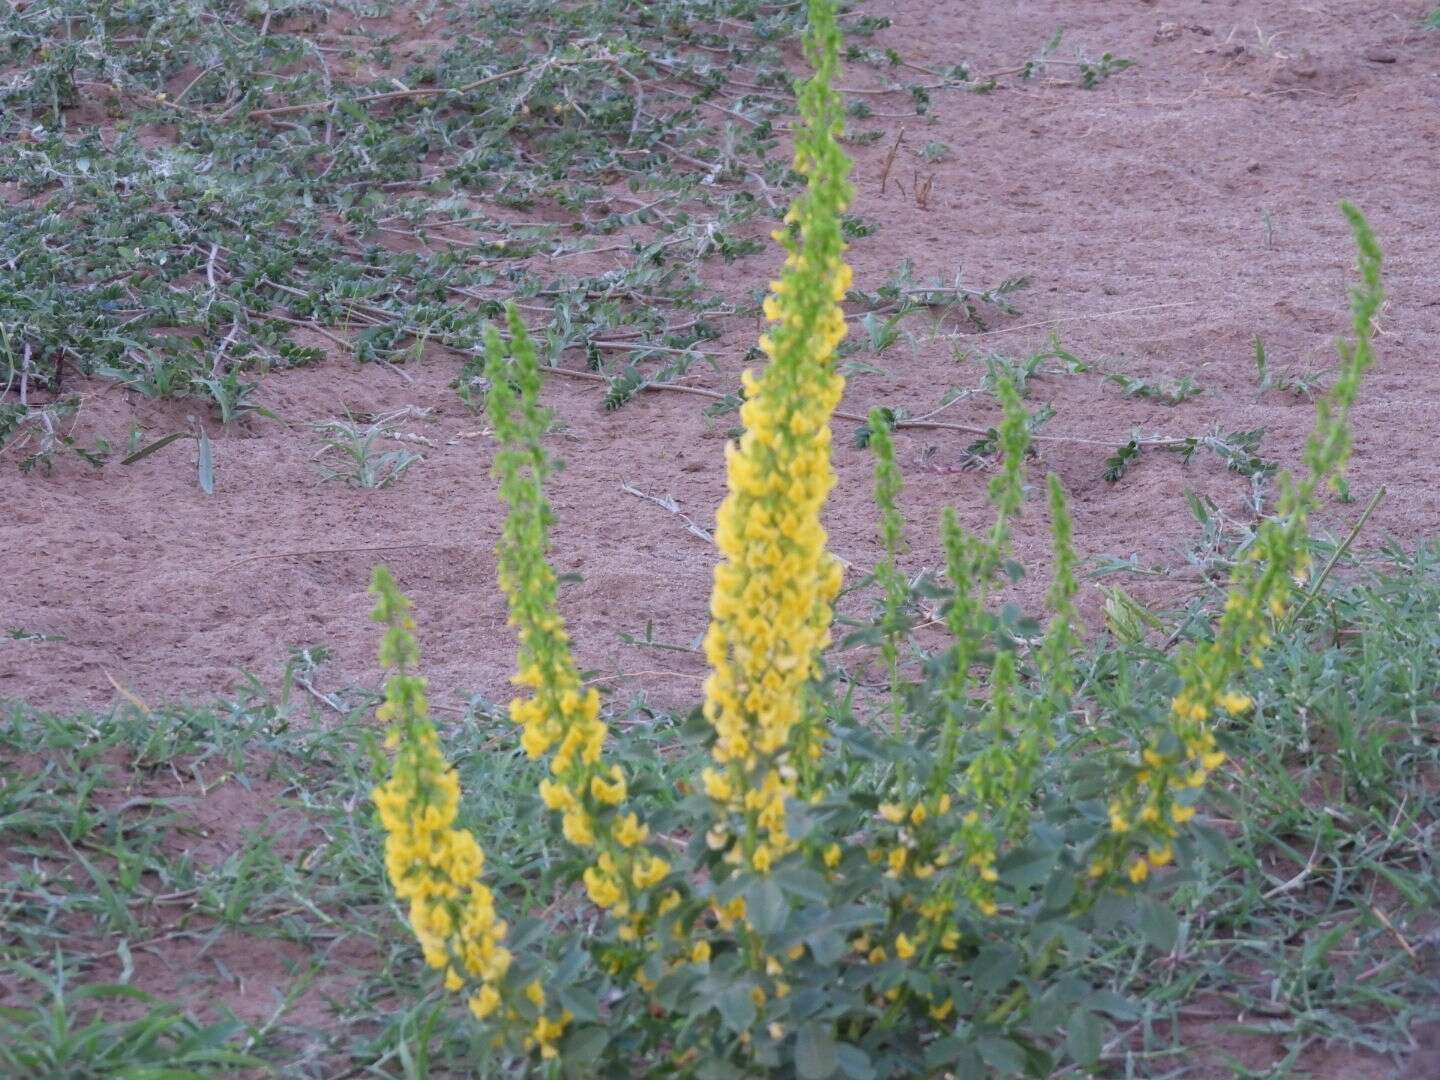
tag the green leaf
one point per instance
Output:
(766, 906)
(158, 444)
(1158, 923)
(1000, 1054)
(854, 1062)
(1027, 867)
(995, 967)
(581, 1002)
(737, 1007)
(1112, 1005)
(718, 1070)
(827, 947)
(1213, 844)
(803, 883)
(1082, 1037)
(205, 465)
(582, 1048)
(815, 1052)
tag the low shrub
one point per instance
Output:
(849, 888)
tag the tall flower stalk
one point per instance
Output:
(559, 713)
(1162, 791)
(770, 607)
(434, 867)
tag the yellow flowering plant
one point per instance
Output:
(841, 888)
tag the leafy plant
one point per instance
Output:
(358, 460)
(1303, 384)
(1181, 390)
(830, 896)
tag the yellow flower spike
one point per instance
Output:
(1161, 856)
(432, 865)
(831, 856)
(774, 586)
(1139, 871)
(904, 947)
(1181, 814)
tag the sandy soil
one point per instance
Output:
(1139, 210)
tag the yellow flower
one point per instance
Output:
(601, 887)
(1181, 814)
(649, 872)
(717, 785)
(484, 1003)
(892, 812)
(628, 831)
(1235, 704)
(610, 792)
(904, 947)
(1139, 871)
(700, 952)
(831, 856)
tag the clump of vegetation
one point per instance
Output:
(835, 897)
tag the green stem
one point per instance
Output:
(1338, 554)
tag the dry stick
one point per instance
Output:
(1337, 556)
(1082, 318)
(395, 95)
(842, 414)
(890, 159)
(673, 507)
(1385, 921)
